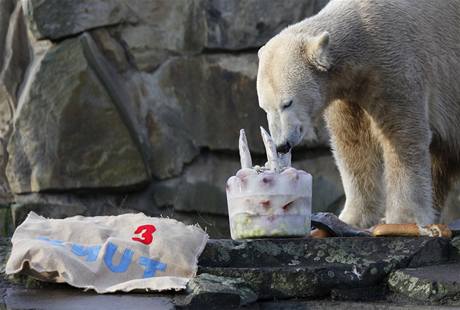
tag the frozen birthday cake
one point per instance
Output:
(269, 201)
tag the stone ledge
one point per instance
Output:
(298, 252)
(312, 268)
(233, 273)
(438, 283)
(207, 289)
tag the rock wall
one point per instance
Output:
(112, 106)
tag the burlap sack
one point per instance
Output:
(108, 253)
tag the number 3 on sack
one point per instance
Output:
(146, 232)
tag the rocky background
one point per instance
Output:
(114, 106)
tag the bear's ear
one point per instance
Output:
(317, 51)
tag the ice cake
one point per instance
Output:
(269, 201)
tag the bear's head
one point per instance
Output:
(290, 85)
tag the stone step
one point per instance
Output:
(75, 299)
(206, 290)
(297, 252)
(291, 282)
(438, 283)
(308, 268)
(343, 268)
(335, 305)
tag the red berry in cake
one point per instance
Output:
(265, 203)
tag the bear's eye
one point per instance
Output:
(286, 105)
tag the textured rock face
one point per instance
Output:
(224, 105)
(246, 24)
(439, 283)
(55, 19)
(188, 27)
(68, 133)
(190, 113)
(14, 59)
(13, 65)
(312, 268)
(112, 106)
(206, 175)
(385, 273)
(207, 289)
(163, 27)
(6, 8)
(6, 222)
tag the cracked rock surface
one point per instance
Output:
(126, 106)
(366, 273)
(287, 268)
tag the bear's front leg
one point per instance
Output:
(408, 181)
(359, 159)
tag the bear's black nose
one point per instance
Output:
(283, 148)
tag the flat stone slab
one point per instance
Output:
(240, 272)
(431, 283)
(309, 268)
(74, 299)
(295, 252)
(335, 305)
(205, 290)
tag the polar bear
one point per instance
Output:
(385, 76)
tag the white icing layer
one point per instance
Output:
(269, 203)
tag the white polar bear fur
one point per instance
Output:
(385, 74)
